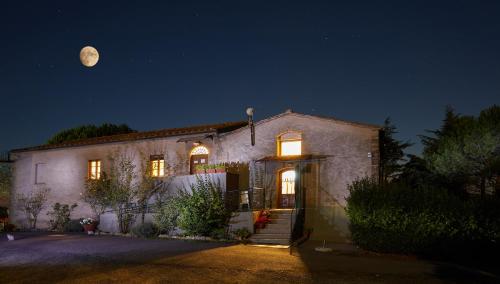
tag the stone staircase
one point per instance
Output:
(277, 231)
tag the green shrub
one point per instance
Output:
(398, 218)
(9, 227)
(73, 226)
(60, 216)
(3, 212)
(219, 233)
(242, 233)
(145, 230)
(202, 211)
(166, 217)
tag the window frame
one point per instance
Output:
(40, 169)
(159, 159)
(98, 169)
(280, 140)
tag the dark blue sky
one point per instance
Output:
(181, 63)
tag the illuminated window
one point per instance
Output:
(288, 182)
(290, 148)
(290, 144)
(94, 169)
(199, 150)
(157, 166)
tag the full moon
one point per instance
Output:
(89, 56)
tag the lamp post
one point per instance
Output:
(252, 126)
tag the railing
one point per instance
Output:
(4, 156)
(136, 208)
(232, 201)
(292, 223)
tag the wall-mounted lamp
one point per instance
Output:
(252, 126)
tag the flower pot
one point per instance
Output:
(222, 170)
(210, 171)
(199, 172)
(89, 228)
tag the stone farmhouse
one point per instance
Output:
(299, 168)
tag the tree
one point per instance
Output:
(96, 194)
(416, 173)
(150, 186)
(391, 152)
(469, 150)
(448, 128)
(60, 216)
(123, 188)
(5, 180)
(202, 211)
(89, 131)
(32, 204)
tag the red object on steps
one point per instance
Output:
(262, 219)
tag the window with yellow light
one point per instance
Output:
(290, 144)
(157, 164)
(94, 169)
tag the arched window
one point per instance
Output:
(198, 156)
(199, 150)
(290, 144)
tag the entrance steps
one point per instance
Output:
(277, 231)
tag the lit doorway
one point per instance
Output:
(286, 191)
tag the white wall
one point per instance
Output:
(346, 145)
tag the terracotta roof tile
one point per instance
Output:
(208, 128)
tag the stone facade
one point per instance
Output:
(348, 150)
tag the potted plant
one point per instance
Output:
(262, 219)
(210, 169)
(89, 225)
(220, 168)
(199, 169)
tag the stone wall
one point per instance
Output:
(65, 170)
(350, 151)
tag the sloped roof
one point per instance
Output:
(207, 128)
(329, 118)
(226, 128)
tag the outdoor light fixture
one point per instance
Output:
(252, 126)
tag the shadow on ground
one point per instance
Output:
(347, 263)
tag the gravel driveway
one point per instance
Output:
(53, 249)
(77, 258)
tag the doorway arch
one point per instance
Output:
(286, 188)
(197, 156)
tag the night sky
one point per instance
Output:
(182, 63)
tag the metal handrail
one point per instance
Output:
(5, 156)
(291, 225)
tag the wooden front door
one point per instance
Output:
(197, 160)
(286, 189)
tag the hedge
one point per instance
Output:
(398, 218)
